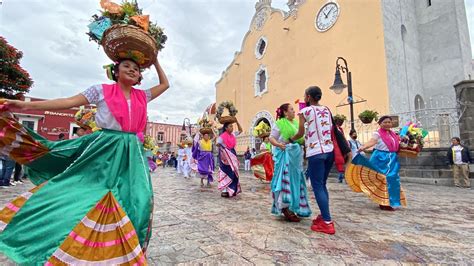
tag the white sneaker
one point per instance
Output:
(12, 184)
(4, 187)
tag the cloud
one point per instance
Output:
(203, 37)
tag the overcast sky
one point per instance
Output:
(203, 37)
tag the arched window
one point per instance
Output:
(420, 112)
(419, 103)
(261, 47)
(261, 81)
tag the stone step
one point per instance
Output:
(428, 181)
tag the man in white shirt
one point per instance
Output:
(459, 157)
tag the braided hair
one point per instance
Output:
(280, 112)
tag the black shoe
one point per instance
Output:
(225, 194)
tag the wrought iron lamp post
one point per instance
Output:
(187, 122)
(339, 86)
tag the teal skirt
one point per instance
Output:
(288, 182)
(92, 204)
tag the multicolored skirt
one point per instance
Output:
(92, 204)
(288, 184)
(262, 166)
(229, 171)
(377, 178)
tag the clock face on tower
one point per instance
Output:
(327, 16)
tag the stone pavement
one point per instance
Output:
(196, 226)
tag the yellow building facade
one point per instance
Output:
(297, 56)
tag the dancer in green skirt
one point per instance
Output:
(93, 201)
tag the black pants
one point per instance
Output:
(16, 176)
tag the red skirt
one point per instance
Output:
(262, 166)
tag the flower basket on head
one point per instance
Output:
(368, 116)
(232, 113)
(227, 119)
(206, 125)
(206, 130)
(262, 130)
(127, 41)
(125, 33)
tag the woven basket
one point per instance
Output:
(264, 135)
(126, 39)
(408, 153)
(227, 119)
(206, 130)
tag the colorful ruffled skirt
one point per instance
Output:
(378, 178)
(92, 203)
(288, 183)
(229, 172)
(262, 166)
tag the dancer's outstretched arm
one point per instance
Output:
(56, 104)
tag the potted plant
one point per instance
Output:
(339, 119)
(368, 116)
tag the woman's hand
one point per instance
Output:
(282, 146)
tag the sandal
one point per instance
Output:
(290, 216)
(386, 208)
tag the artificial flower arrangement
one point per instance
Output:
(262, 130)
(86, 118)
(206, 125)
(411, 140)
(124, 32)
(148, 143)
(232, 112)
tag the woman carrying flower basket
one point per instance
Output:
(262, 164)
(229, 182)
(100, 181)
(202, 153)
(379, 178)
(289, 192)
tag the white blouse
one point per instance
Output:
(104, 117)
(318, 133)
(381, 146)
